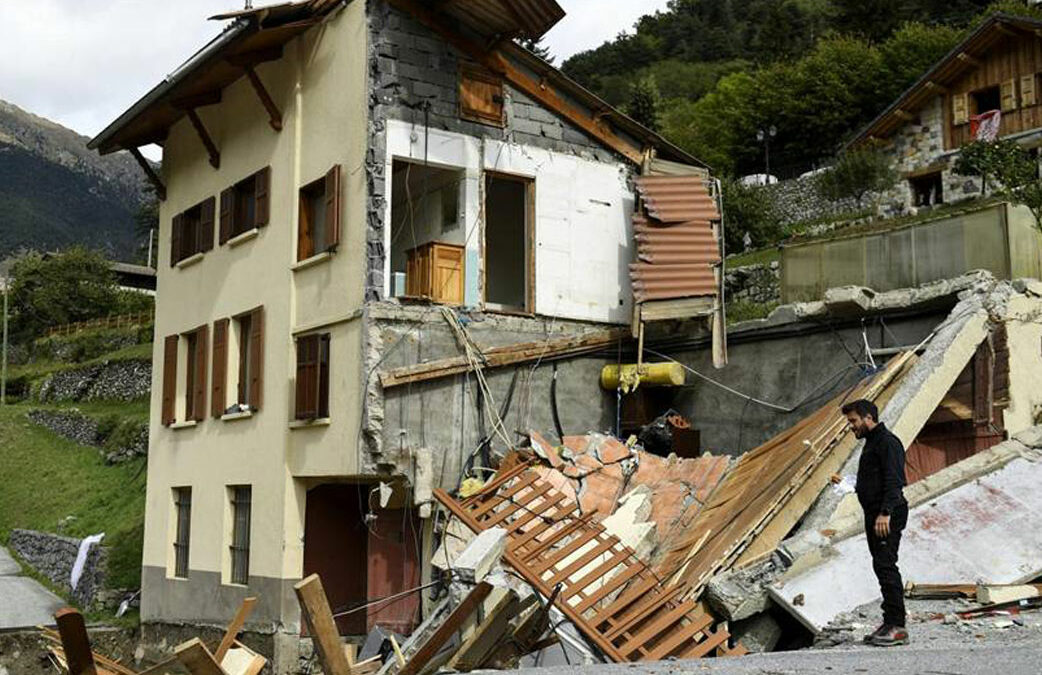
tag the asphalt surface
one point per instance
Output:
(23, 601)
(892, 661)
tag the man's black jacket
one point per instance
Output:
(881, 472)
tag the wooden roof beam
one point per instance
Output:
(204, 136)
(904, 114)
(150, 173)
(252, 58)
(197, 100)
(274, 114)
(539, 90)
(935, 87)
(968, 59)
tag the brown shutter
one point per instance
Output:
(256, 358)
(332, 208)
(220, 368)
(1027, 90)
(169, 379)
(201, 348)
(304, 243)
(206, 218)
(227, 213)
(1008, 93)
(262, 190)
(175, 239)
(481, 96)
(960, 109)
(306, 402)
(323, 376)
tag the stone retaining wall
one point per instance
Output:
(53, 556)
(753, 283)
(85, 430)
(115, 380)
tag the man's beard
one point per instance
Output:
(859, 432)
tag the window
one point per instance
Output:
(192, 231)
(508, 256)
(319, 228)
(245, 205)
(481, 96)
(986, 99)
(312, 391)
(241, 496)
(927, 190)
(183, 512)
(184, 376)
(238, 363)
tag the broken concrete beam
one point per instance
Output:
(849, 299)
(478, 559)
(993, 595)
(759, 634)
(740, 594)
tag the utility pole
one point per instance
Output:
(3, 368)
(765, 136)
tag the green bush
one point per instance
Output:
(857, 173)
(749, 209)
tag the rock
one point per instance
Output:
(758, 634)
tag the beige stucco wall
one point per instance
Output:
(1024, 338)
(319, 85)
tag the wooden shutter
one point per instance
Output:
(1027, 91)
(256, 357)
(169, 379)
(227, 213)
(481, 96)
(262, 190)
(332, 208)
(206, 218)
(960, 109)
(218, 387)
(306, 400)
(1008, 92)
(202, 346)
(323, 375)
(175, 239)
(305, 243)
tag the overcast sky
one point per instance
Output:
(83, 62)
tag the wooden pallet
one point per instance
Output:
(602, 587)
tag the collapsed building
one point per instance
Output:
(442, 270)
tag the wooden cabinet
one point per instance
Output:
(435, 271)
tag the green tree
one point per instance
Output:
(1002, 160)
(855, 174)
(645, 104)
(749, 209)
(537, 47)
(50, 290)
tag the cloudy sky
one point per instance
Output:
(83, 62)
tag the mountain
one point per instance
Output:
(55, 193)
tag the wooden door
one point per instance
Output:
(335, 542)
(393, 568)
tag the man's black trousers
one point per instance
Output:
(884, 563)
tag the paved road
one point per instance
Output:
(893, 661)
(23, 602)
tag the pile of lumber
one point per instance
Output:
(70, 650)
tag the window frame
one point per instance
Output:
(326, 191)
(241, 503)
(529, 183)
(321, 344)
(182, 530)
(201, 217)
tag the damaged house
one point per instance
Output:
(355, 196)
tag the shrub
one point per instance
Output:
(749, 209)
(855, 174)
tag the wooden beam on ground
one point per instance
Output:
(314, 606)
(274, 115)
(194, 656)
(502, 356)
(234, 627)
(75, 642)
(160, 668)
(204, 136)
(150, 173)
(540, 90)
(447, 629)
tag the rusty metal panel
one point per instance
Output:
(335, 549)
(676, 246)
(393, 568)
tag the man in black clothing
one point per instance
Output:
(880, 479)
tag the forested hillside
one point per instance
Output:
(710, 73)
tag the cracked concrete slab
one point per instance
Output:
(24, 603)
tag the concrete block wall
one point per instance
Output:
(53, 556)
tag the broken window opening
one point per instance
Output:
(986, 99)
(427, 233)
(927, 190)
(508, 237)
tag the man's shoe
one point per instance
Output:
(894, 636)
(883, 628)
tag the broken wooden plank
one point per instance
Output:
(501, 356)
(75, 643)
(473, 652)
(194, 656)
(234, 627)
(314, 606)
(446, 630)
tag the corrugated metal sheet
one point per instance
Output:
(676, 247)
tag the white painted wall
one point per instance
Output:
(583, 232)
